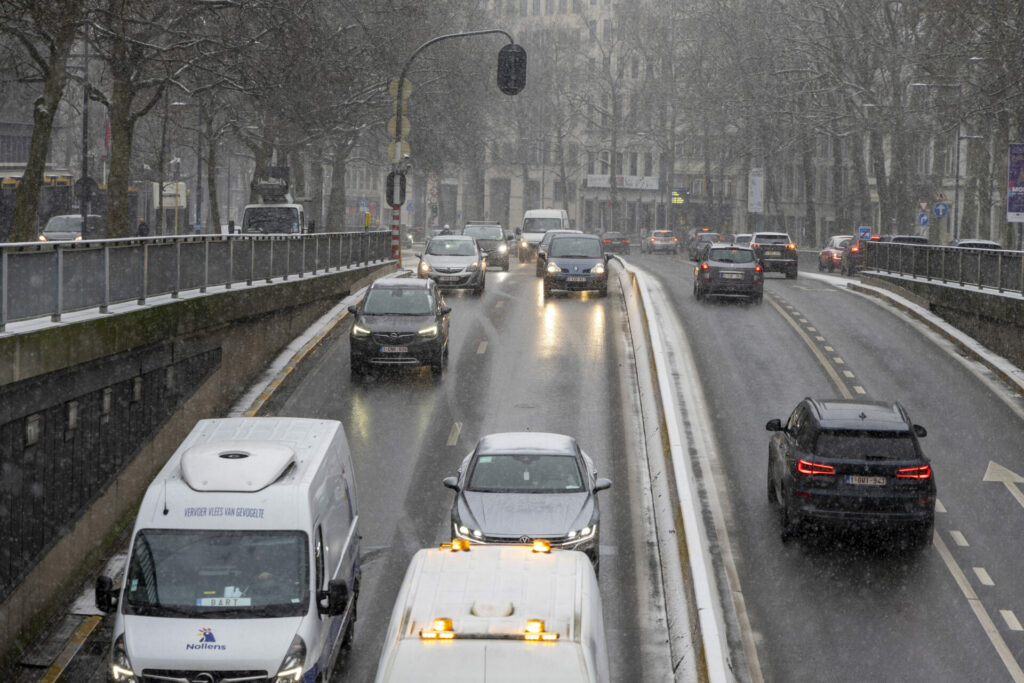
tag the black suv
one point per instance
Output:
(851, 462)
(400, 321)
(776, 252)
(492, 241)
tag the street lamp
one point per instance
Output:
(199, 165)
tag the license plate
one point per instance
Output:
(394, 349)
(448, 278)
(575, 278)
(773, 253)
(859, 480)
(732, 276)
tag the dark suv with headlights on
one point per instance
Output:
(400, 321)
(576, 263)
(492, 242)
(518, 487)
(851, 462)
(728, 270)
(776, 252)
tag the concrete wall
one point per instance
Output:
(248, 326)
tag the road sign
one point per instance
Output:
(363, 205)
(941, 209)
(940, 196)
(922, 218)
(392, 124)
(406, 88)
(863, 231)
(408, 205)
(923, 206)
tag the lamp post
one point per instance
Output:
(198, 193)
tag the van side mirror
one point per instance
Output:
(920, 431)
(106, 594)
(601, 484)
(451, 483)
(353, 310)
(445, 310)
(774, 425)
(519, 231)
(336, 597)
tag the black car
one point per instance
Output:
(698, 241)
(576, 263)
(518, 487)
(776, 252)
(729, 270)
(492, 242)
(615, 243)
(851, 462)
(400, 322)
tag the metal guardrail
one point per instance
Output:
(39, 279)
(1001, 270)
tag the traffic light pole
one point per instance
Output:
(399, 165)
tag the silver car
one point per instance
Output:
(519, 487)
(454, 261)
(69, 228)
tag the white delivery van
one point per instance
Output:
(244, 560)
(536, 222)
(496, 613)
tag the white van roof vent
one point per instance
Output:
(492, 610)
(235, 466)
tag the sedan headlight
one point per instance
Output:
(502, 248)
(475, 265)
(293, 663)
(424, 267)
(598, 269)
(42, 237)
(120, 666)
(428, 332)
(465, 532)
(524, 244)
(360, 331)
(554, 268)
(582, 534)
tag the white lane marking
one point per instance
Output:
(804, 322)
(1009, 478)
(1011, 620)
(979, 611)
(983, 576)
(838, 361)
(483, 347)
(859, 389)
(939, 507)
(829, 349)
(848, 373)
(501, 302)
(819, 338)
(959, 539)
(453, 435)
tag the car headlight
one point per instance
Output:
(429, 332)
(465, 532)
(293, 662)
(42, 238)
(475, 265)
(360, 331)
(78, 238)
(424, 267)
(554, 268)
(120, 665)
(598, 269)
(524, 244)
(502, 248)
(582, 534)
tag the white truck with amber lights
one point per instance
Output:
(244, 560)
(496, 613)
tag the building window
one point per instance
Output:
(72, 407)
(593, 29)
(536, 7)
(590, 163)
(563, 6)
(648, 164)
(524, 7)
(634, 70)
(550, 7)
(607, 29)
(136, 389)
(33, 429)
(633, 163)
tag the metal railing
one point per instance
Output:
(1000, 270)
(39, 279)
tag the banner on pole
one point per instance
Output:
(755, 191)
(1015, 184)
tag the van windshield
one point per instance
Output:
(268, 220)
(218, 574)
(542, 224)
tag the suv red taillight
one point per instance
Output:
(704, 266)
(808, 467)
(923, 472)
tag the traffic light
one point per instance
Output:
(511, 69)
(394, 189)
(433, 210)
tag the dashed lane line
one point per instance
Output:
(959, 539)
(983, 578)
(1011, 620)
(814, 349)
(483, 347)
(453, 435)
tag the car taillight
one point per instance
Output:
(652, 239)
(758, 268)
(791, 246)
(606, 241)
(754, 245)
(625, 241)
(854, 248)
(923, 472)
(704, 266)
(675, 239)
(808, 467)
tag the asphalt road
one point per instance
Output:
(861, 607)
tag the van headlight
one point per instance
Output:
(424, 267)
(554, 268)
(293, 663)
(465, 532)
(598, 269)
(42, 237)
(428, 332)
(120, 666)
(502, 248)
(360, 331)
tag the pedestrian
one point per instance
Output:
(143, 228)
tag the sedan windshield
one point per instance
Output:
(575, 247)
(443, 247)
(731, 255)
(63, 224)
(526, 473)
(862, 445)
(218, 574)
(484, 232)
(397, 301)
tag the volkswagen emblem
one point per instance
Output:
(525, 539)
(203, 678)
